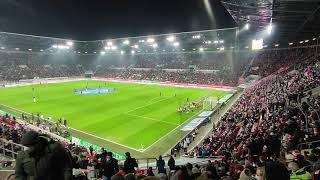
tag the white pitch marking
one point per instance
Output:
(147, 105)
(172, 130)
(106, 140)
(152, 119)
(83, 132)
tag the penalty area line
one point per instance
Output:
(147, 105)
(166, 122)
(172, 131)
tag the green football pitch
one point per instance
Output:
(133, 115)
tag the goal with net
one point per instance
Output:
(209, 103)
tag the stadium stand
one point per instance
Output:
(205, 69)
(274, 126)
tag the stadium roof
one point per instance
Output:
(207, 40)
(291, 19)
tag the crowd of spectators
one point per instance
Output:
(269, 120)
(188, 76)
(268, 61)
(10, 129)
(15, 66)
(220, 67)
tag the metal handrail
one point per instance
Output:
(308, 143)
(4, 142)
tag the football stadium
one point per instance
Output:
(199, 90)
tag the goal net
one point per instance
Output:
(209, 103)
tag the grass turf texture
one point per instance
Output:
(133, 115)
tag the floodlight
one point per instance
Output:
(164, 50)
(127, 42)
(3, 47)
(170, 38)
(257, 44)
(86, 52)
(69, 43)
(155, 45)
(132, 52)
(122, 52)
(276, 45)
(314, 39)
(150, 40)
(41, 50)
(176, 44)
(109, 43)
(201, 49)
(183, 49)
(102, 52)
(30, 49)
(247, 26)
(196, 36)
(79, 52)
(290, 43)
(301, 42)
(17, 49)
(306, 40)
(94, 52)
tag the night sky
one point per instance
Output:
(102, 19)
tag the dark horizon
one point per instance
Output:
(86, 21)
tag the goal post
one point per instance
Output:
(209, 103)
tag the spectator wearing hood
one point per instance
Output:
(42, 160)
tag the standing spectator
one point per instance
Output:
(160, 165)
(91, 150)
(109, 167)
(171, 163)
(150, 172)
(297, 173)
(44, 159)
(185, 145)
(129, 164)
(276, 170)
(103, 154)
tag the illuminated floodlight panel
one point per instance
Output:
(257, 44)
(69, 43)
